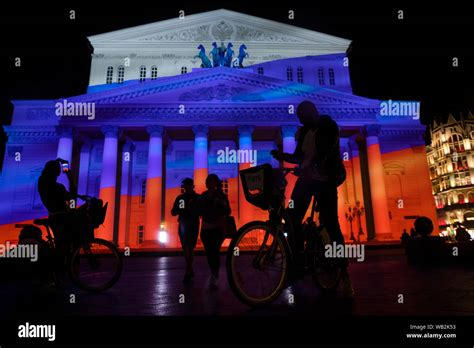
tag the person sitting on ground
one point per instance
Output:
(424, 248)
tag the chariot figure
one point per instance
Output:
(222, 52)
(214, 54)
(229, 55)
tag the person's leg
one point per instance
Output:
(214, 244)
(326, 197)
(300, 200)
(206, 238)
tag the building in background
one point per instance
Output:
(154, 115)
(451, 162)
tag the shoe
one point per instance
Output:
(347, 289)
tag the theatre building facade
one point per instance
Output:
(164, 104)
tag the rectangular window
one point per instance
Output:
(321, 76)
(143, 192)
(332, 79)
(140, 234)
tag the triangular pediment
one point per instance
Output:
(220, 26)
(222, 85)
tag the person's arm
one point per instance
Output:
(176, 210)
(223, 202)
(294, 158)
(72, 194)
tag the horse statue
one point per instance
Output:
(229, 55)
(205, 62)
(242, 55)
(214, 54)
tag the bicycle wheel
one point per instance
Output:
(326, 271)
(95, 265)
(257, 264)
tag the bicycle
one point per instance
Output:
(93, 264)
(260, 258)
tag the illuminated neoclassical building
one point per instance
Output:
(451, 162)
(153, 115)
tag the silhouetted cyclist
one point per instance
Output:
(68, 223)
(321, 171)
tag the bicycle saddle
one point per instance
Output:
(41, 222)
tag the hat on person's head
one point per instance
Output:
(187, 181)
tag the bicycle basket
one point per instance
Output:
(97, 211)
(258, 185)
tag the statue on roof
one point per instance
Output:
(205, 62)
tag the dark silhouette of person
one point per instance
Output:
(424, 248)
(214, 208)
(405, 237)
(413, 232)
(461, 233)
(321, 171)
(188, 217)
(68, 223)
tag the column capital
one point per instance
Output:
(155, 130)
(65, 131)
(288, 131)
(110, 131)
(355, 140)
(246, 130)
(200, 129)
(372, 130)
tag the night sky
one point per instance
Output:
(390, 59)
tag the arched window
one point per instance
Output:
(460, 198)
(332, 79)
(142, 73)
(471, 197)
(321, 76)
(456, 142)
(120, 74)
(184, 70)
(299, 74)
(260, 70)
(110, 75)
(143, 192)
(289, 74)
(154, 72)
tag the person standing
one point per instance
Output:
(214, 208)
(185, 208)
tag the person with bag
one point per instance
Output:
(185, 207)
(214, 208)
(321, 171)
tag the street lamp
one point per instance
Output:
(352, 213)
